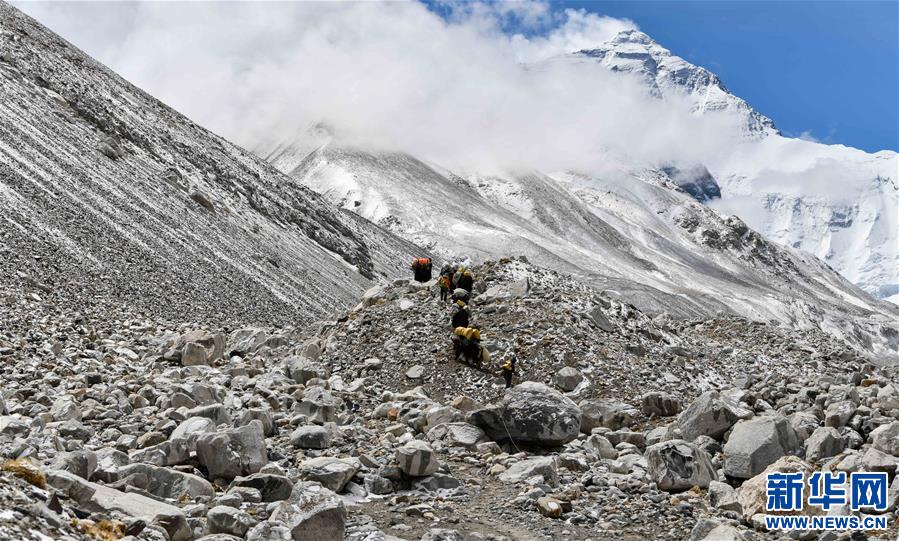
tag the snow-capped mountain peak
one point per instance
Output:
(634, 52)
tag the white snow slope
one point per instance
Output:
(838, 203)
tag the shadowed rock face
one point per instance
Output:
(107, 193)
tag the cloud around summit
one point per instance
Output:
(461, 84)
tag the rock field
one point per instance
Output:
(620, 426)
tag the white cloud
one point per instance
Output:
(807, 136)
(391, 75)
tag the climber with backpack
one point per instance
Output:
(508, 370)
(467, 346)
(464, 279)
(421, 269)
(461, 316)
(444, 284)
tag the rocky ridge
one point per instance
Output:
(364, 427)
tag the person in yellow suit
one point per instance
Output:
(467, 346)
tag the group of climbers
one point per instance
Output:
(456, 283)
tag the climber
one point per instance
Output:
(443, 282)
(461, 295)
(461, 316)
(508, 369)
(463, 279)
(421, 269)
(467, 346)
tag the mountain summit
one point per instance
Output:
(634, 52)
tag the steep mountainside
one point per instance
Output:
(640, 235)
(107, 193)
(838, 203)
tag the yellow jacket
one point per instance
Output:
(468, 332)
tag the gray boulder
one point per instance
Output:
(271, 487)
(190, 428)
(96, 498)
(755, 444)
(319, 405)
(886, 438)
(312, 512)
(167, 483)
(530, 413)
(711, 415)
(311, 437)
(605, 413)
(301, 369)
(332, 473)
(677, 465)
(228, 520)
(239, 451)
(824, 442)
(457, 435)
(838, 414)
(568, 378)
(544, 466)
(660, 404)
(417, 459)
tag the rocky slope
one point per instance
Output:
(113, 424)
(106, 192)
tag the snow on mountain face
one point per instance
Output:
(639, 235)
(837, 203)
(106, 192)
(633, 52)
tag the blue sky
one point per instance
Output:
(825, 68)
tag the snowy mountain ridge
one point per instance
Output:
(839, 203)
(639, 236)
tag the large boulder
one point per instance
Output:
(332, 473)
(301, 369)
(312, 512)
(568, 378)
(752, 494)
(677, 465)
(756, 443)
(311, 437)
(200, 347)
(228, 520)
(605, 413)
(167, 483)
(710, 415)
(886, 438)
(824, 442)
(95, 498)
(272, 487)
(660, 404)
(457, 435)
(530, 413)
(239, 451)
(319, 405)
(417, 459)
(190, 428)
(544, 466)
(247, 340)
